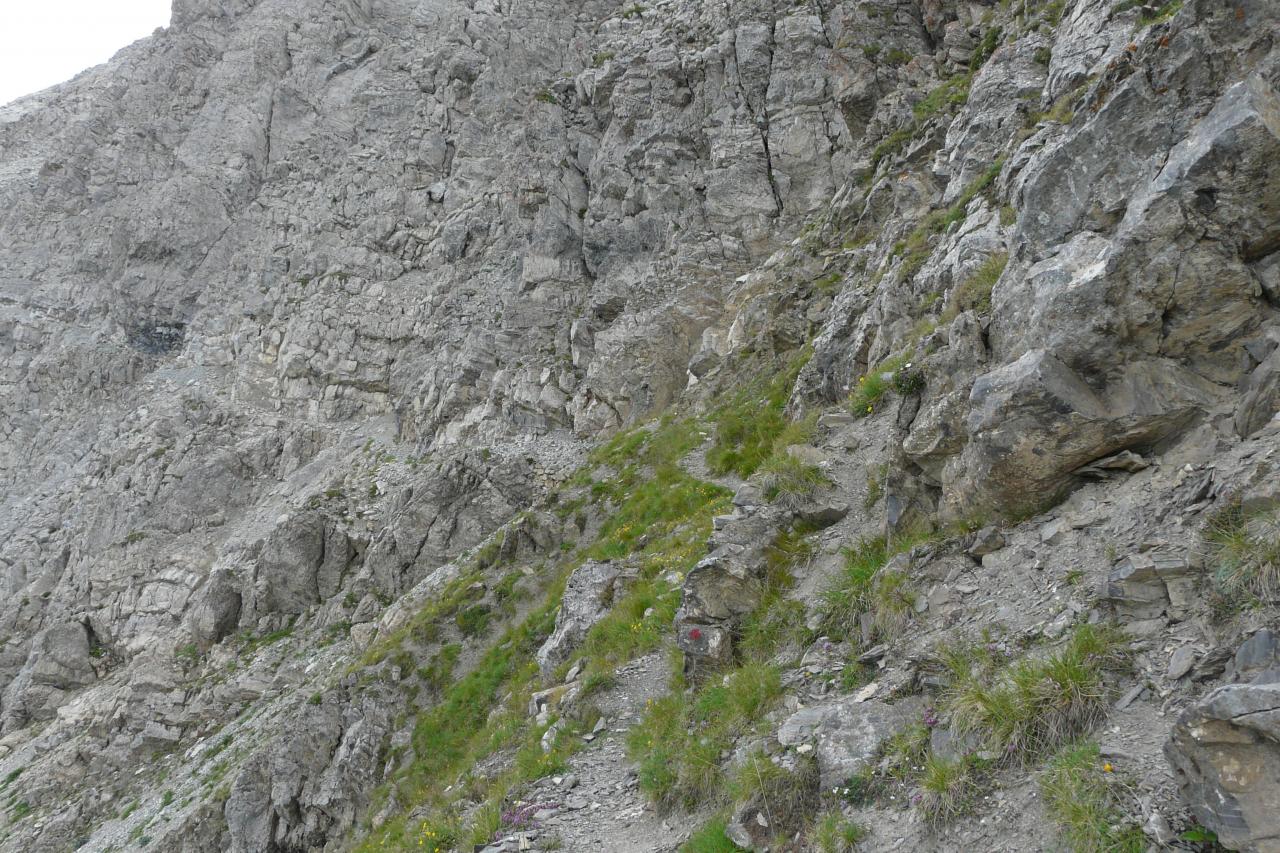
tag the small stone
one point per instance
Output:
(1158, 829)
(1130, 696)
(825, 514)
(873, 654)
(1053, 532)
(1180, 662)
(866, 692)
(748, 495)
(986, 541)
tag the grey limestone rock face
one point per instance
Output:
(1033, 422)
(1226, 752)
(302, 301)
(847, 734)
(588, 595)
(57, 664)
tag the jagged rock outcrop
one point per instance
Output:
(310, 310)
(1225, 752)
(588, 595)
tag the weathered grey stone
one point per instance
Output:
(1257, 659)
(988, 540)
(1261, 397)
(300, 302)
(1225, 751)
(588, 596)
(847, 733)
(1033, 422)
(57, 664)
(1181, 662)
(823, 514)
(1144, 586)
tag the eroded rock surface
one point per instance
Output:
(312, 310)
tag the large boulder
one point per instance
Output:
(1260, 396)
(1148, 585)
(309, 784)
(847, 734)
(59, 662)
(1034, 422)
(587, 598)
(723, 587)
(1225, 751)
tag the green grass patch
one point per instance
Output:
(952, 92)
(710, 838)
(864, 585)
(896, 56)
(949, 94)
(424, 627)
(777, 623)
(749, 424)
(789, 797)
(638, 623)
(451, 736)
(896, 374)
(833, 834)
(1244, 550)
(986, 47)
(473, 621)
(974, 293)
(789, 480)
(1029, 707)
(1083, 798)
(655, 508)
(948, 788)
(828, 283)
(1164, 13)
(438, 673)
(678, 743)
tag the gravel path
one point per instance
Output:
(597, 804)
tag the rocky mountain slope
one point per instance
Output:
(522, 424)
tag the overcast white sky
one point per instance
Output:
(43, 42)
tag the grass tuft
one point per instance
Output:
(974, 293)
(1164, 13)
(678, 743)
(1033, 705)
(865, 586)
(947, 788)
(893, 374)
(833, 834)
(750, 425)
(1082, 797)
(710, 838)
(789, 480)
(786, 797)
(1245, 551)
